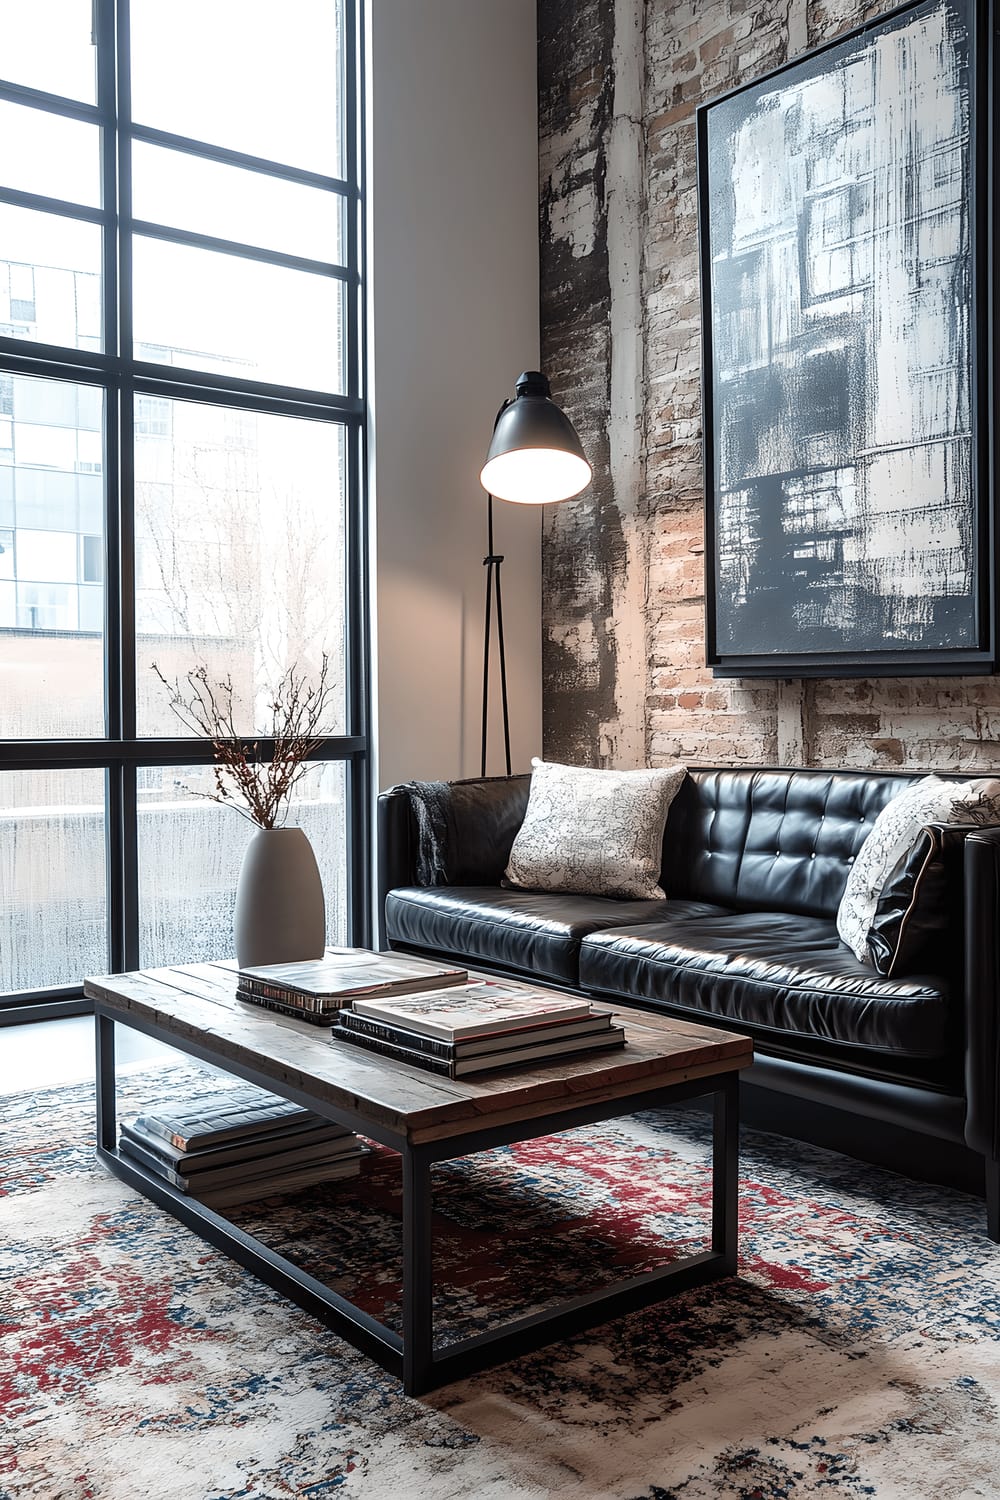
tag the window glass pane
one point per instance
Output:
(90, 498)
(53, 906)
(36, 401)
(50, 278)
(189, 192)
(47, 554)
(91, 608)
(217, 90)
(51, 646)
(47, 606)
(92, 559)
(204, 311)
(240, 553)
(55, 156)
(90, 452)
(47, 501)
(190, 852)
(49, 45)
(52, 447)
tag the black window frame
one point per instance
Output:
(123, 378)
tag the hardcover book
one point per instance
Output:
(500, 1041)
(295, 1134)
(322, 984)
(289, 1007)
(474, 1010)
(459, 1067)
(280, 1183)
(215, 1119)
(228, 1175)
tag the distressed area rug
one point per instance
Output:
(857, 1353)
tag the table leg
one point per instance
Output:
(726, 1170)
(418, 1276)
(107, 1114)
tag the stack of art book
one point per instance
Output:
(234, 1147)
(477, 1027)
(317, 989)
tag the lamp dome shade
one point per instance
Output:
(535, 457)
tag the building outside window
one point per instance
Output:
(180, 477)
(152, 417)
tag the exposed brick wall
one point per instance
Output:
(615, 655)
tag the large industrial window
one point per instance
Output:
(181, 401)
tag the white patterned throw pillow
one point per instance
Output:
(599, 833)
(929, 800)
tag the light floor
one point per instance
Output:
(46, 1054)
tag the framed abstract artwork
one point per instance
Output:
(847, 355)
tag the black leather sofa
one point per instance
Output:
(754, 866)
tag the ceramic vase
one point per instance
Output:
(280, 911)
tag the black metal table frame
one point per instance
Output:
(413, 1356)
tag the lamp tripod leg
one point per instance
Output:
(503, 672)
(488, 561)
(491, 562)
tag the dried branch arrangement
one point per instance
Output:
(258, 790)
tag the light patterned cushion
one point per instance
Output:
(896, 829)
(599, 833)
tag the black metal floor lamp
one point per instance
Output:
(535, 458)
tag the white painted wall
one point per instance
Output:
(453, 274)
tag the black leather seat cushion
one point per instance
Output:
(773, 972)
(530, 931)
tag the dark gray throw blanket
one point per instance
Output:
(465, 829)
(430, 802)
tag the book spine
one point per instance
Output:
(162, 1130)
(400, 1054)
(386, 1032)
(315, 1018)
(152, 1163)
(158, 1145)
(259, 989)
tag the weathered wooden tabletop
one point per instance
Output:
(197, 1002)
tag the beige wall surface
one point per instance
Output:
(453, 271)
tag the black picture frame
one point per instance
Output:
(797, 430)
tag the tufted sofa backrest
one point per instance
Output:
(780, 840)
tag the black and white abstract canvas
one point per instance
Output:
(838, 266)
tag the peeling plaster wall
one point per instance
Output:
(622, 567)
(583, 545)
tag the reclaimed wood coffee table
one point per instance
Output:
(426, 1118)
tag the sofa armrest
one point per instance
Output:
(982, 990)
(395, 848)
